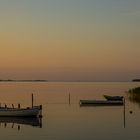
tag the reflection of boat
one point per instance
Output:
(35, 122)
(114, 98)
(100, 102)
(20, 112)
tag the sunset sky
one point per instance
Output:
(70, 40)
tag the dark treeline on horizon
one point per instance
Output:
(136, 80)
(10, 80)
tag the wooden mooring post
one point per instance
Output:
(69, 98)
(32, 100)
(124, 115)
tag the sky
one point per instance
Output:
(70, 40)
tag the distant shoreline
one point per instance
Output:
(23, 80)
(136, 80)
(37, 80)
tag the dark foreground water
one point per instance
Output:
(64, 121)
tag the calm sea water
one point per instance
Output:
(64, 121)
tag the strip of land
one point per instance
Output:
(9, 80)
(136, 80)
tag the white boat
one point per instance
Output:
(20, 112)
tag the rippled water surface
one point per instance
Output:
(68, 121)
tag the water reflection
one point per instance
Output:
(34, 122)
(123, 109)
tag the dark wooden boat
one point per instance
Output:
(113, 98)
(100, 102)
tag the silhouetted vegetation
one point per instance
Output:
(134, 95)
(135, 90)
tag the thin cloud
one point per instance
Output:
(131, 13)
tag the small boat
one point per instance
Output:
(113, 98)
(34, 111)
(100, 102)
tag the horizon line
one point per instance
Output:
(45, 80)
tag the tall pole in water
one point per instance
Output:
(32, 100)
(124, 110)
(69, 98)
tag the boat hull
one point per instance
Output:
(28, 112)
(100, 102)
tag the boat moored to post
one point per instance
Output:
(34, 111)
